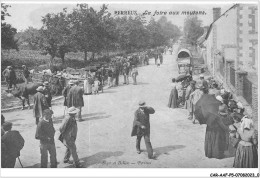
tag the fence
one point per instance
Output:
(247, 90)
(233, 76)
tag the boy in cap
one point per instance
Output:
(14, 142)
(40, 104)
(68, 135)
(45, 133)
(141, 127)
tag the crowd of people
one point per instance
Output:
(229, 132)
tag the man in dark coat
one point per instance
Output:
(204, 83)
(47, 93)
(141, 127)
(75, 98)
(40, 104)
(68, 136)
(26, 74)
(14, 142)
(66, 91)
(45, 133)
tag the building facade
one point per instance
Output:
(230, 52)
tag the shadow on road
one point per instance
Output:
(166, 149)
(98, 158)
(85, 117)
(142, 83)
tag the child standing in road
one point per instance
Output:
(134, 74)
(95, 86)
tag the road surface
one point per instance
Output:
(104, 136)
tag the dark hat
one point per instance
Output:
(47, 112)
(193, 82)
(2, 119)
(7, 126)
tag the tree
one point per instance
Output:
(29, 38)
(7, 31)
(156, 34)
(132, 34)
(192, 29)
(55, 35)
(91, 29)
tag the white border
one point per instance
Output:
(127, 172)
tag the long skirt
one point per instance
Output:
(246, 157)
(173, 99)
(214, 143)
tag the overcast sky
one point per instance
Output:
(25, 15)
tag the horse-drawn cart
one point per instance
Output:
(184, 61)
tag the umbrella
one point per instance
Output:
(206, 109)
(182, 77)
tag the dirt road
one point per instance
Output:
(104, 136)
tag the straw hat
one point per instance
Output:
(71, 82)
(40, 88)
(142, 104)
(219, 98)
(73, 110)
(222, 110)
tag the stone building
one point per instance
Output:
(230, 51)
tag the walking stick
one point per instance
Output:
(65, 107)
(20, 161)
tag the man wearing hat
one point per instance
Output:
(204, 83)
(45, 133)
(141, 127)
(75, 98)
(40, 104)
(68, 135)
(134, 74)
(47, 92)
(66, 90)
(188, 100)
(14, 142)
(26, 74)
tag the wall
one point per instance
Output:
(234, 37)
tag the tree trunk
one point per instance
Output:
(93, 56)
(86, 56)
(51, 60)
(62, 56)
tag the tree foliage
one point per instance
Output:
(55, 35)
(88, 30)
(192, 29)
(7, 31)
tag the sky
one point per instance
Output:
(24, 15)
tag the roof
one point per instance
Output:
(210, 27)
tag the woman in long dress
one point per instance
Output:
(246, 154)
(215, 137)
(173, 100)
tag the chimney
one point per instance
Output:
(216, 13)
